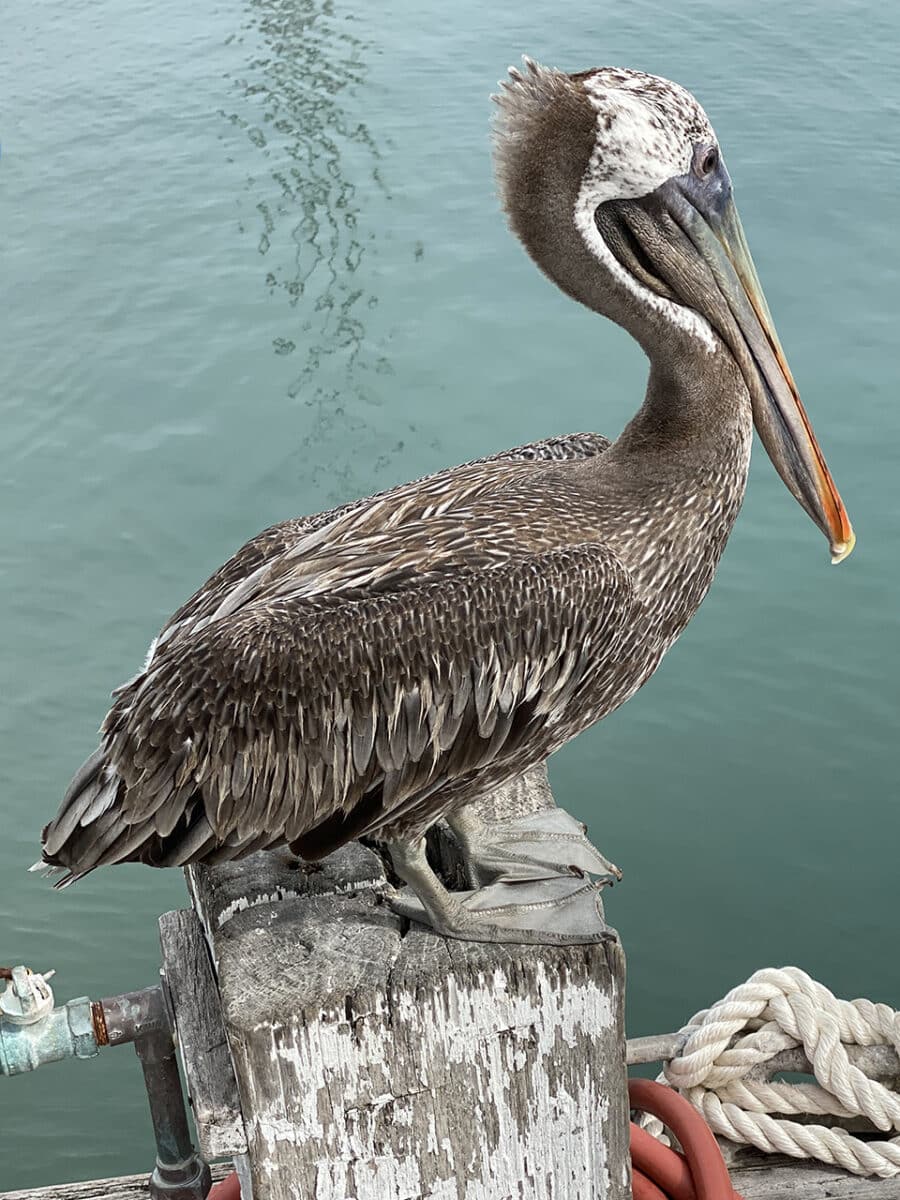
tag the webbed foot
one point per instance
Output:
(536, 845)
(559, 909)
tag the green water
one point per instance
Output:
(252, 265)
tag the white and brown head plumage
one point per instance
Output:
(566, 144)
(367, 670)
(640, 129)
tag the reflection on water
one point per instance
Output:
(295, 106)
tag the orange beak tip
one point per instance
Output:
(841, 550)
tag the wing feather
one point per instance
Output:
(363, 662)
(387, 734)
(282, 539)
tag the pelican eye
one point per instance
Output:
(706, 161)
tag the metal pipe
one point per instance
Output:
(879, 1062)
(655, 1048)
(180, 1172)
(33, 1032)
(131, 1016)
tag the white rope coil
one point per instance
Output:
(721, 1070)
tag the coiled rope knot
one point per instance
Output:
(724, 1065)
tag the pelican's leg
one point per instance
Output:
(564, 908)
(535, 845)
(435, 906)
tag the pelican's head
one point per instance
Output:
(615, 184)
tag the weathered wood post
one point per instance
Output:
(378, 1061)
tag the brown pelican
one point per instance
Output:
(366, 671)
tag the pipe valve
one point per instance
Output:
(27, 997)
(32, 1031)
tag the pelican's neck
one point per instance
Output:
(696, 408)
(675, 479)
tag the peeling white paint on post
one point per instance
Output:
(377, 1063)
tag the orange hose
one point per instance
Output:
(666, 1167)
(708, 1173)
(228, 1189)
(643, 1188)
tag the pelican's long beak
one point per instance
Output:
(778, 414)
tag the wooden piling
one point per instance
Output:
(377, 1061)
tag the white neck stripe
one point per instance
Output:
(685, 318)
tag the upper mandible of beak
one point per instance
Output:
(778, 413)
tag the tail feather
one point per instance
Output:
(86, 773)
(89, 784)
(71, 877)
(89, 820)
(96, 827)
(121, 846)
(103, 798)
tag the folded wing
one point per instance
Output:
(315, 719)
